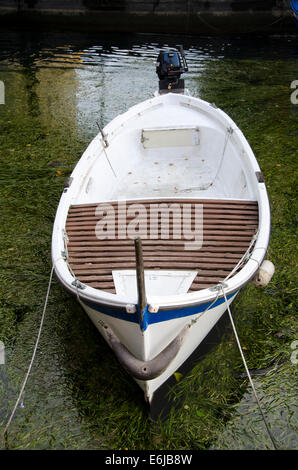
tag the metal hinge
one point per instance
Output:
(218, 286)
(78, 284)
(68, 182)
(260, 177)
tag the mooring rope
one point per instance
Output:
(246, 369)
(32, 358)
(246, 256)
(209, 25)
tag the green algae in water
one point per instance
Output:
(256, 94)
(78, 396)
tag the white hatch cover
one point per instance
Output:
(170, 137)
(159, 282)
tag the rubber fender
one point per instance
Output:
(264, 274)
(145, 370)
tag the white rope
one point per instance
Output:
(246, 368)
(223, 31)
(227, 137)
(240, 262)
(206, 310)
(32, 359)
(244, 258)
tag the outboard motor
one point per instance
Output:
(169, 68)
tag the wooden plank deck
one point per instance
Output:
(228, 227)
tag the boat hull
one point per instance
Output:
(145, 345)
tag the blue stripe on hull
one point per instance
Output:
(150, 318)
(163, 315)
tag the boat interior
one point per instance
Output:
(195, 165)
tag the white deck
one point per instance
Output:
(161, 176)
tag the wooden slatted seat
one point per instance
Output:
(228, 227)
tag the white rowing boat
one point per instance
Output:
(176, 173)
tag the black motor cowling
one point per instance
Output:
(169, 67)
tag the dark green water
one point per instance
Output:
(57, 86)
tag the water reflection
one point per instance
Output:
(94, 78)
